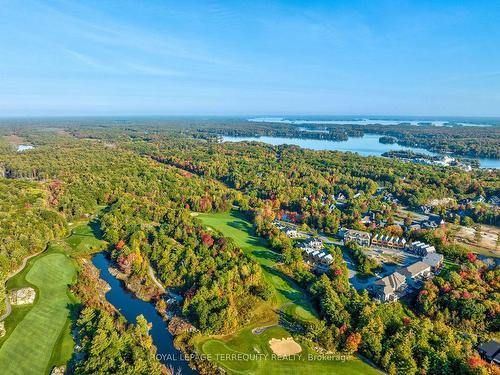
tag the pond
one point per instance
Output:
(21, 148)
(368, 145)
(131, 307)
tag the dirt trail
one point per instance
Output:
(155, 280)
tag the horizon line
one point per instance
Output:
(249, 116)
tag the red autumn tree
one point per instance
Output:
(476, 362)
(471, 257)
(207, 240)
(55, 189)
(205, 204)
(446, 289)
(189, 294)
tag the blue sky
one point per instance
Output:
(252, 57)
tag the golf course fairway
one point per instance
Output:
(39, 335)
(29, 348)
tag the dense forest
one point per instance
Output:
(307, 181)
(28, 222)
(154, 179)
(219, 283)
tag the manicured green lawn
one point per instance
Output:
(39, 335)
(85, 239)
(247, 353)
(29, 347)
(232, 353)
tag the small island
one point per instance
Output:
(387, 140)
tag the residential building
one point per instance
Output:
(314, 255)
(417, 271)
(278, 225)
(434, 260)
(327, 259)
(320, 260)
(389, 197)
(495, 201)
(312, 243)
(425, 209)
(479, 199)
(429, 224)
(341, 232)
(340, 205)
(386, 288)
(361, 238)
(366, 220)
(465, 201)
(307, 252)
(388, 241)
(436, 219)
(368, 217)
(490, 351)
(420, 248)
(288, 229)
(413, 227)
(291, 233)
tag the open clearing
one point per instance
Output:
(488, 244)
(247, 353)
(84, 239)
(38, 336)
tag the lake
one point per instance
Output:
(349, 120)
(131, 307)
(368, 145)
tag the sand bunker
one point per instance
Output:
(23, 296)
(2, 329)
(284, 347)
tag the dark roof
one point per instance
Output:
(490, 348)
(497, 358)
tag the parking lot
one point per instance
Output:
(389, 259)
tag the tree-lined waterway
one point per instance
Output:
(131, 307)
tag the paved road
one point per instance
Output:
(356, 282)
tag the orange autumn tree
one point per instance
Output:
(352, 342)
(119, 245)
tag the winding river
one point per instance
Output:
(131, 307)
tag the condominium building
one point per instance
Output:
(420, 248)
(388, 241)
(361, 238)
